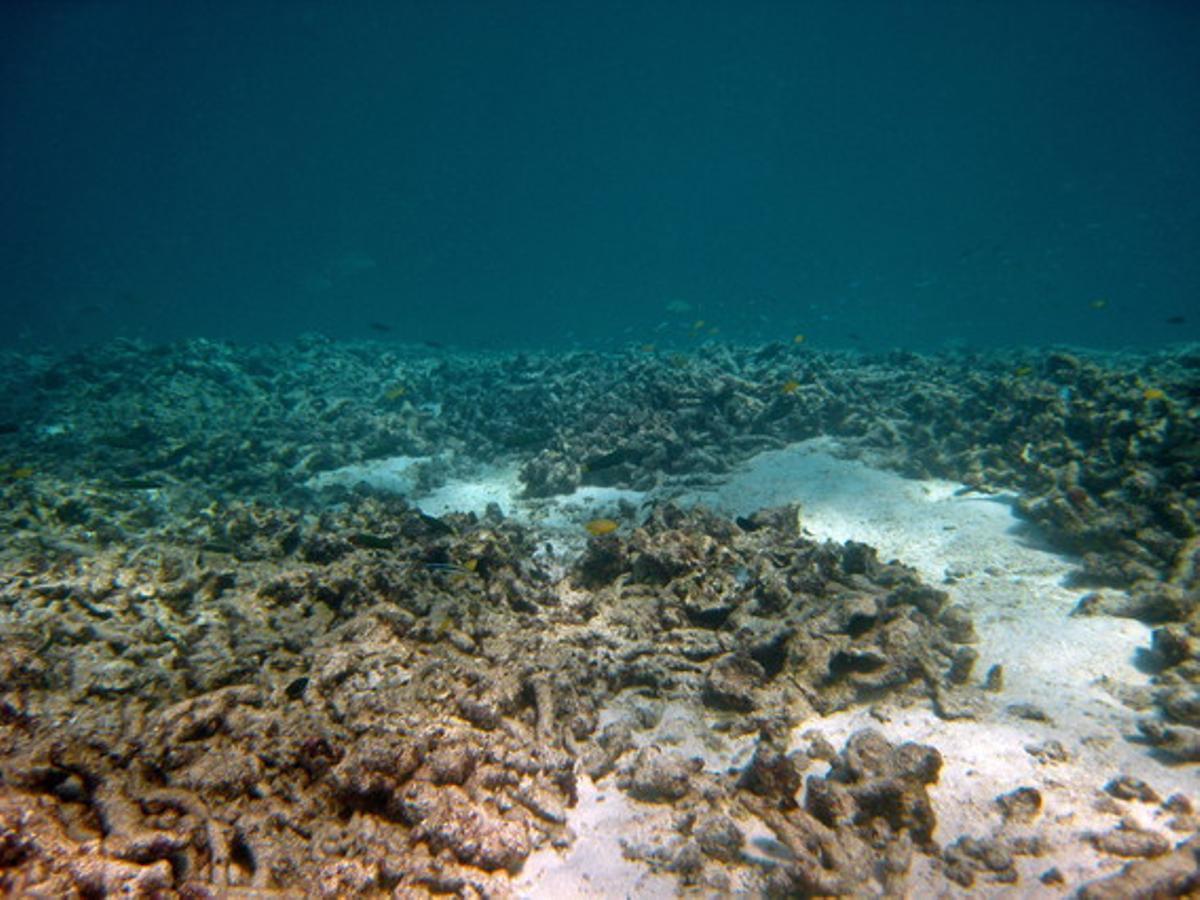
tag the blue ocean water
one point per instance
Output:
(543, 174)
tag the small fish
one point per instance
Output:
(648, 348)
(1176, 320)
(790, 387)
(395, 392)
(776, 850)
(382, 327)
(136, 484)
(453, 568)
(798, 339)
(1100, 303)
(698, 325)
(597, 527)
(1152, 394)
(1023, 371)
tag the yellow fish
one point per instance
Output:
(1099, 304)
(798, 339)
(790, 386)
(598, 527)
(1023, 371)
(394, 393)
(1154, 394)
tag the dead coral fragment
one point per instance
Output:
(1021, 805)
(859, 826)
(874, 780)
(475, 833)
(658, 777)
(1180, 741)
(731, 682)
(1175, 874)
(1127, 840)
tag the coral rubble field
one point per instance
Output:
(226, 673)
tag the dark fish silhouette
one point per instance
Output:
(383, 327)
(1176, 320)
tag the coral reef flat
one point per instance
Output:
(369, 619)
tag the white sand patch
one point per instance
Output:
(594, 865)
(395, 474)
(492, 484)
(559, 520)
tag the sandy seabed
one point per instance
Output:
(365, 620)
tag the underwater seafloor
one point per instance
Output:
(355, 619)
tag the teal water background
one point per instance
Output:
(873, 174)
